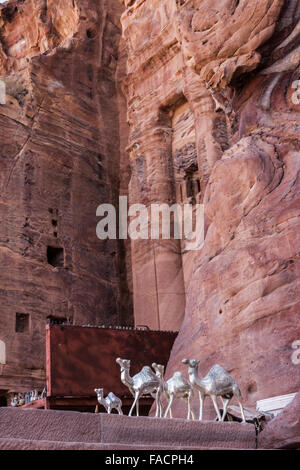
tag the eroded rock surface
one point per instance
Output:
(212, 97)
(60, 157)
(213, 105)
(283, 432)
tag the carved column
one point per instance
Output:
(159, 297)
(209, 149)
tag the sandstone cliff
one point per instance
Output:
(60, 157)
(212, 95)
(213, 113)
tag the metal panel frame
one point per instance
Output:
(79, 359)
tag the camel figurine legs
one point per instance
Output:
(225, 405)
(158, 410)
(158, 398)
(201, 399)
(214, 400)
(190, 411)
(135, 403)
(225, 402)
(169, 406)
(238, 396)
(242, 412)
(138, 405)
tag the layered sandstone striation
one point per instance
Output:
(212, 103)
(214, 118)
(60, 156)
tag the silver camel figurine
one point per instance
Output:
(110, 402)
(216, 383)
(143, 383)
(176, 387)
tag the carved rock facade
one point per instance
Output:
(214, 118)
(60, 157)
(213, 113)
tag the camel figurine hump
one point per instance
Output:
(179, 385)
(112, 398)
(110, 402)
(176, 387)
(146, 379)
(218, 382)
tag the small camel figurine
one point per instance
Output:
(110, 402)
(34, 395)
(143, 383)
(14, 401)
(176, 387)
(216, 383)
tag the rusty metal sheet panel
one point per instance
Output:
(79, 359)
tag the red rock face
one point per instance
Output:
(284, 431)
(213, 114)
(60, 158)
(229, 70)
(44, 429)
